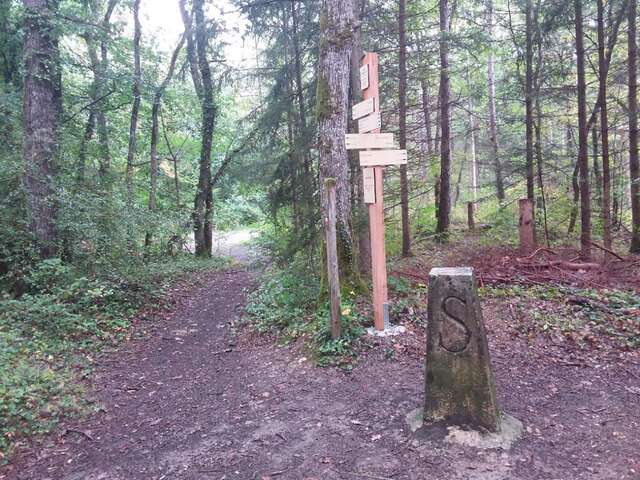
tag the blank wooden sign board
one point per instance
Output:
(361, 141)
(364, 76)
(370, 123)
(369, 185)
(377, 151)
(372, 158)
(362, 109)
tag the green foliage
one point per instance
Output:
(286, 304)
(53, 331)
(240, 210)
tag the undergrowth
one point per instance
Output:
(49, 336)
(287, 304)
(578, 314)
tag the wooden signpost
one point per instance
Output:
(378, 151)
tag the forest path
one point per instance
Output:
(200, 399)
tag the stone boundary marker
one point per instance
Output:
(460, 388)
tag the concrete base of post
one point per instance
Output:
(389, 331)
(508, 435)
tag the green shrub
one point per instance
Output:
(53, 331)
(286, 303)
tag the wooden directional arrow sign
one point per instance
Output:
(371, 122)
(361, 109)
(364, 77)
(369, 185)
(380, 158)
(363, 141)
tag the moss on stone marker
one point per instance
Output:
(459, 382)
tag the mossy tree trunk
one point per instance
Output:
(336, 41)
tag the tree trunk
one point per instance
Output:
(187, 20)
(493, 124)
(99, 65)
(426, 112)
(361, 213)
(539, 163)
(472, 154)
(155, 124)
(336, 41)
(203, 199)
(634, 163)
(41, 109)
(595, 154)
(583, 149)
(528, 95)
(82, 152)
(135, 109)
(402, 90)
(444, 192)
(603, 69)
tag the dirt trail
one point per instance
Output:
(197, 401)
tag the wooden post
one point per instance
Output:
(376, 210)
(333, 274)
(471, 208)
(526, 226)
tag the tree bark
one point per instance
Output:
(603, 69)
(634, 163)
(583, 148)
(42, 107)
(402, 90)
(203, 202)
(84, 144)
(444, 192)
(493, 124)
(187, 20)
(426, 112)
(361, 210)
(135, 109)
(155, 126)
(528, 95)
(472, 154)
(99, 66)
(336, 42)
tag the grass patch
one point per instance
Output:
(50, 335)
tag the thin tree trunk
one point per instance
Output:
(583, 155)
(402, 91)
(426, 112)
(444, 193)
(539, 162)
(595, 153)
(187, 20)
(174, 158)
(603, 69)
(634, 163)
(203, 199)
(472, 154)
(101, 83)
(155, 114)
(135, 109)
(528, 94)
(84, 144)
(42, 107)
(575, 205)
(336, 42)
(493, 124)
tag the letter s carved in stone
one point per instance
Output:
(455, 336)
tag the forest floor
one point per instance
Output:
(203, 397)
